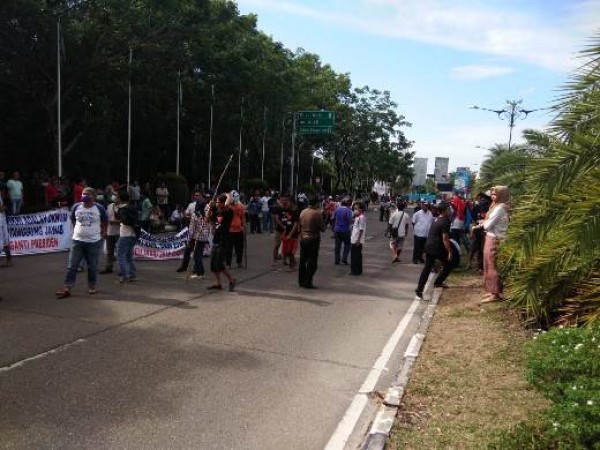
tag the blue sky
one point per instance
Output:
(437, 57)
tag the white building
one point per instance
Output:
(420, 169)
(441, 170)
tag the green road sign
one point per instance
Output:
(315, 122)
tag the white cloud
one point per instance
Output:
(475, 72)
(462, 25)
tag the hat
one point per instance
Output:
(89, 191)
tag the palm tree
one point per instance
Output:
(552, 256)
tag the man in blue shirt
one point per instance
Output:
(343, 222)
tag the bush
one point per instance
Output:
(564, 365)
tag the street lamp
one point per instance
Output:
(512, 112)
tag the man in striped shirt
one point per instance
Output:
(199, 231)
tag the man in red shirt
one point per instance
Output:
(78, 190)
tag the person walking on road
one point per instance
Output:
(199, 233)
(311, 225)
(341, 229)
(422, 220)
(398, 227)
(222, 224)
(112, 235)
(237, 229)
(357, 239)
(438, 247)
(89, 229)
(127, 213)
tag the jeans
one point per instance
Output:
(267, 223)
(309, 254)
(198, 255)
(16, 204)
(125, 255)
(80, 251)
(342, 237)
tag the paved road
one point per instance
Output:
(165, 364)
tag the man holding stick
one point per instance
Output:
(221, 222)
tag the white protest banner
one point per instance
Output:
(151, 246)
(44, 232)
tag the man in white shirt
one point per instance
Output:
(397, 227)
(112, 236)
(357, 239)
(422, 221)
(89, 229)
(15, 192)
(267, 223)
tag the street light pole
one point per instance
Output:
(511, 112)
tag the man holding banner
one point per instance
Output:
(89, 220)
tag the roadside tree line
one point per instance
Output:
(252, 82)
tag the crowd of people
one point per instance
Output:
(442, 229)
(217, 226)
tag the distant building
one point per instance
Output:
(420, 169)
(441, 170)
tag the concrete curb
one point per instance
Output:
(384, 420)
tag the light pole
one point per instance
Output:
(511, 112)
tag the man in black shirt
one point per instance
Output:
(440, 248)
(221, 222)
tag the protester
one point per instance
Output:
(421, 220)
(267, 223)
(289, 238)
(237, 229)
(495, 226)
(199, 234)
(398, 228)
(221, 226)
(78, 190)
(254, 208)
(89, 229)
(311, 226)
(177, 217)
(15, 193)
(342, 222)
(112, 235)
(480, 210)
(135, 194)
(147, 208)
(4, 237)
(162, 199)
(127, 213)
(357, 240)
(438, 247)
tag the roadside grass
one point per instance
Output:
(468, 383)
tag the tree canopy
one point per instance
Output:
(252, 82)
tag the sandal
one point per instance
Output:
(63, 293)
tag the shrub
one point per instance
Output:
(564, 365)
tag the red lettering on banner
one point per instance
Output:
(44, 243)
(19, 245)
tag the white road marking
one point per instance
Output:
(346, 426)
(39, 355)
